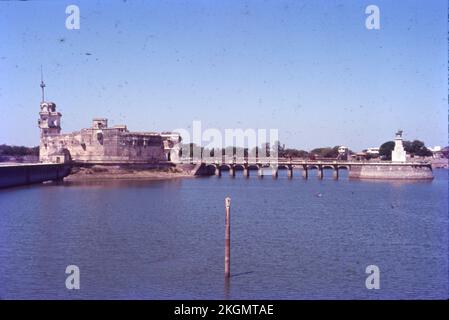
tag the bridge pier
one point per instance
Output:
(218, 172)
(305, 173)
(274, 173)
(232, 172)
(246, 172)
(290, 172)
(260, 172)
(335, 174)
(320, 173)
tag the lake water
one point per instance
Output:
(291, 239)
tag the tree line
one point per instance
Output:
(7, 150)
(413, 148)
(196, 151)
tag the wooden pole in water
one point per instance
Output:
(228, 238)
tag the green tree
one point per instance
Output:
(280, 149)
(265, 149)
(254, 152)
(417, 147)
(8, 150)
(385, 150)
(326, 152)
(191, 149)
(295, 153)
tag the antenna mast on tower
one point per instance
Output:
(42, 85)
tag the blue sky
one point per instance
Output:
(309, 68)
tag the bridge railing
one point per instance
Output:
(286, 161)
(261, 160)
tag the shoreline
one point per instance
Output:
(99, 173)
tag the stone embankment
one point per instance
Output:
(130, 172)
(406, 171)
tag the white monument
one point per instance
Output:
(398, 154)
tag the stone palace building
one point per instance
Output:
(101, 144)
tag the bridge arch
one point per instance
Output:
(211, 166)
(224, 166)
(67, 155)
(253, 167)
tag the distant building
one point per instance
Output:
(437, 152)
(358, 156)
(372, 151)
(436, 149)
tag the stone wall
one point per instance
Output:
(404, 171)
(23, 174)
(108, 145)
(101, 144)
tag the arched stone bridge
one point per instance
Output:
(247, 165)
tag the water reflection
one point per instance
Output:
(120, 183)
(163, 239)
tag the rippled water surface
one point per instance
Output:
(291, 239)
